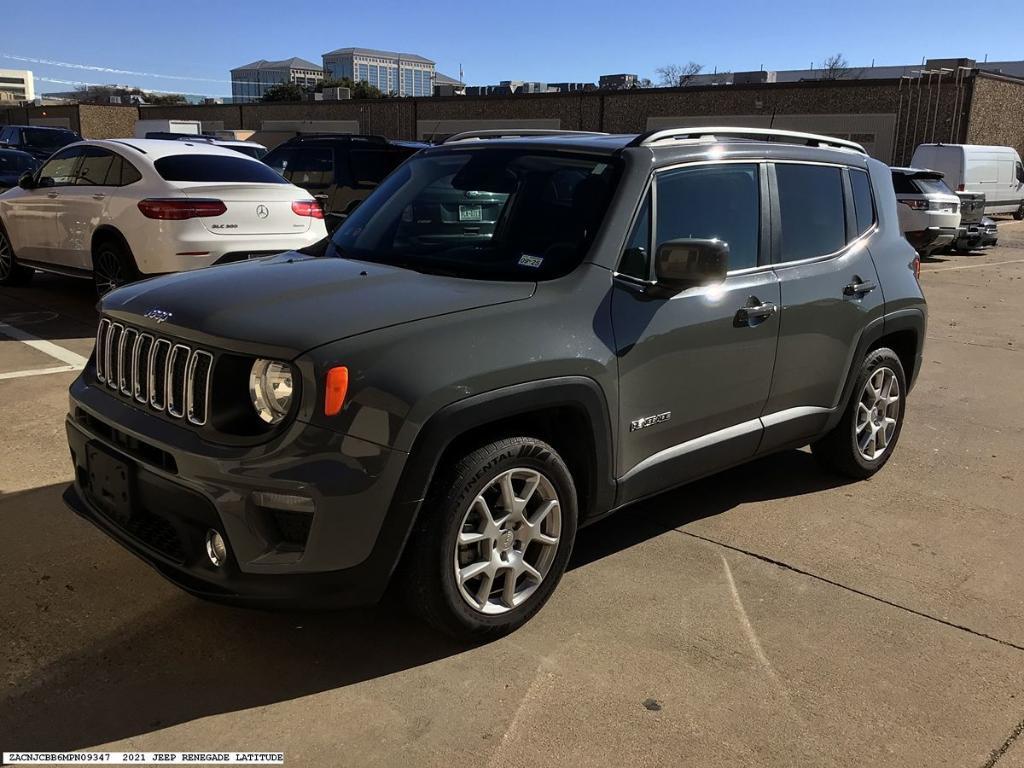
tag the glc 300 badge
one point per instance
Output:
(648, 421)
(160, 315)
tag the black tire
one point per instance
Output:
(430, 579)
(840, 449)
(11, 272)
(1019, 213)
(112, 266)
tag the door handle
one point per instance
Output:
(53, 195)
(859, 287)
(754, 313)
(99, 196)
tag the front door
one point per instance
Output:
(33, 213)
(83, 206)
(830, 292)
(695, 367)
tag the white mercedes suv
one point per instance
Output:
(121, 209)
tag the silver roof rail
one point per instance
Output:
(711, 133)
(515, 133)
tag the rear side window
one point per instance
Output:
(902, 185)
(217, 168)
(95, 167)
(305, 166)
(863, 203)
(812, 210)
(712, 201)
(370, 166)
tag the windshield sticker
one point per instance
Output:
(530, 261)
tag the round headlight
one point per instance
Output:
(270, 386)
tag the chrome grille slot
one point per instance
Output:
(140, 378)
(113, 346)
(197, 395)
(162, 374)
(101, 349)
(158, 374)
(177, 366)
(126, 359)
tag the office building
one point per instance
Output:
(400, 74)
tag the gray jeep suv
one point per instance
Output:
(442, 414)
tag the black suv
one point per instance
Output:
(38, 141)
(443, 413)
(339, 170)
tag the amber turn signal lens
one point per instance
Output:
(337, 387)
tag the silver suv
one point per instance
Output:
(443, 413)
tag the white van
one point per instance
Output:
(996, 172)
(145, 127)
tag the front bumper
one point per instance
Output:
(162, 252)
(343, 553)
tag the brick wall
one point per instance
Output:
(997, 112)
(107, 122)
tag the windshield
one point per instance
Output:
(15, 163)
(47, 139)
(498, 214)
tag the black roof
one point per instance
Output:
(327, 138)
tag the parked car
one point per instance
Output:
(118, 210)
(445, 415)
(339, 170)
(995, 172)
(250, 148)
(929, 211)
(13, 163)
(976, 230)
(37, 140)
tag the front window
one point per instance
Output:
(497, 214)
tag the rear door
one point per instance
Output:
(83, 207)
(257, 200)
(825, 219)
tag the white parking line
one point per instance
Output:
(972, 266)
(40, 371)
(66, 356)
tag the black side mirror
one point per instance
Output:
(685, 263)
(27, 180)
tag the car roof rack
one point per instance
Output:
(340, 135)
(712, 133)
(516, 133)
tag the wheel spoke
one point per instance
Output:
(542, 513)
(532, 481)
(472, 571)
(508, 592)
(474, 537)
(483, 592)
(508, 494)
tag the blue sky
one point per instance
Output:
(523, 40)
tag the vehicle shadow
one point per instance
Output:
(137, 656)
(51, 307)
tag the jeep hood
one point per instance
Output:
(287, 304)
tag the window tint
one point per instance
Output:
(129, 173)
(208, 167)
(902, 185)
(15, 162)
(370, 166)
(95, 167)
(863, 203)
(713, 201)
(636, 258)
(59, 170)
(48, 139)
(933, 187)
(812, 209)
(305, 166)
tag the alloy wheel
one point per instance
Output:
(507, 541)
(108, 272)
(6, 258)
(878, 411)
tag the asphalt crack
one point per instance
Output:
(854, 590)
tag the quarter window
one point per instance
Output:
(636, 257)
(712, 202)
(812, 209)
(863, 204)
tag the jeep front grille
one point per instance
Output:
(167, 376)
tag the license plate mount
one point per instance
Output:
(470, 213)
(111, 482)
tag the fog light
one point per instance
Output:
(216, 548)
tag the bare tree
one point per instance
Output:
(644, 82)
(835, 67)
(672, 75)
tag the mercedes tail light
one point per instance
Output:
(310, 208)
(180, 208)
